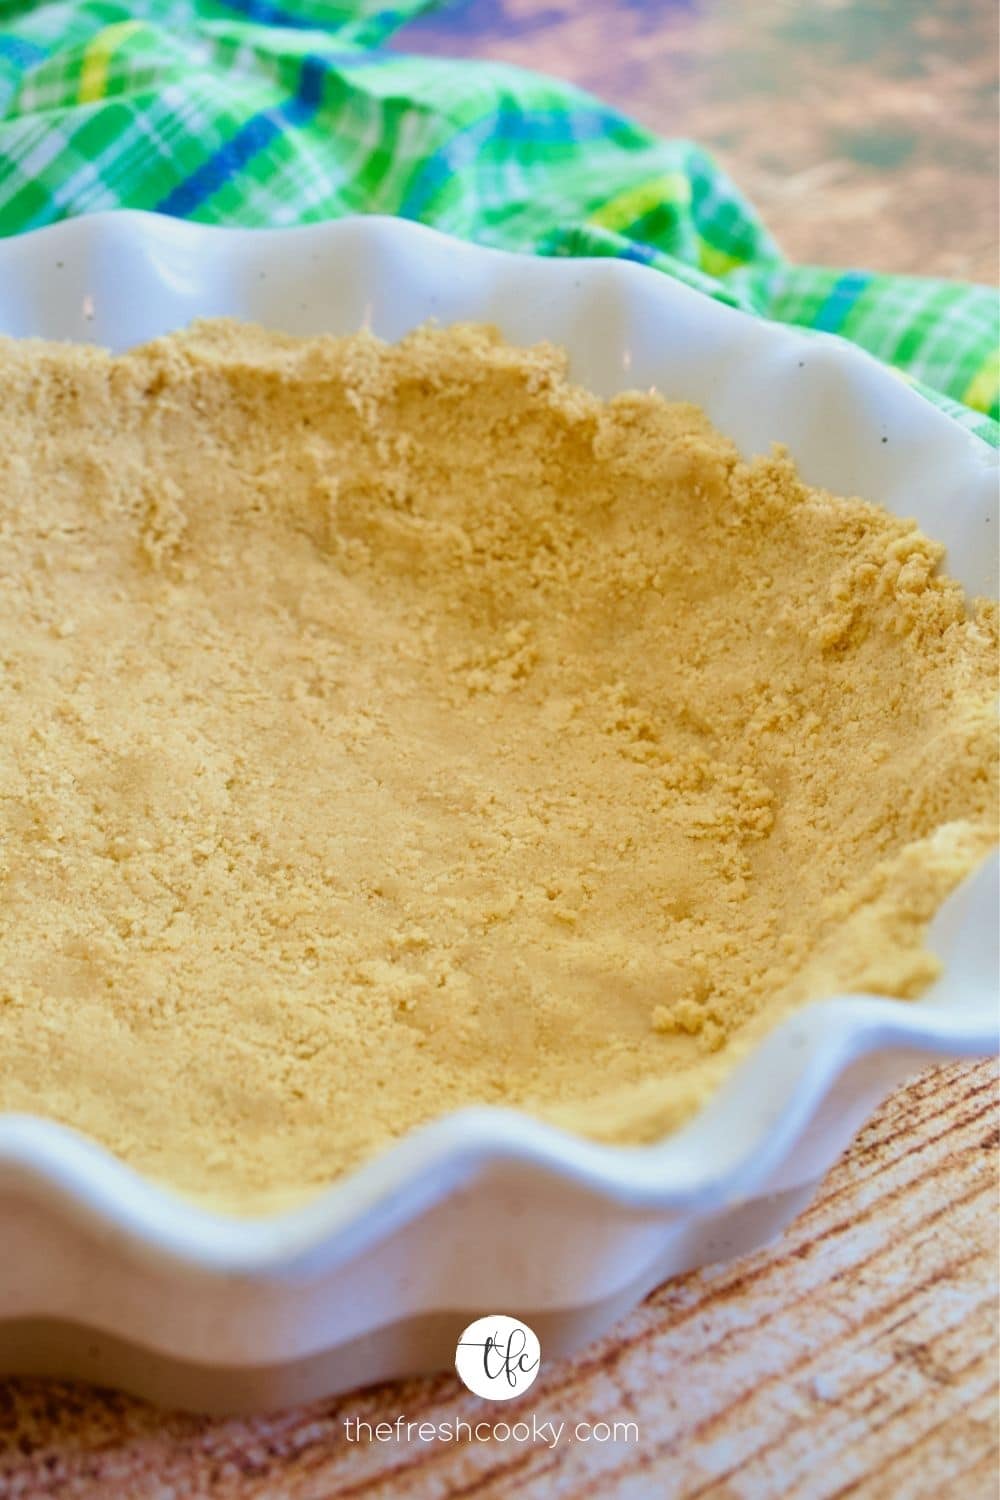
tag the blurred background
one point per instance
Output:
(864, 131)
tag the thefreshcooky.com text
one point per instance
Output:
(549, 1433)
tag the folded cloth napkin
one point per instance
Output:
(251, 112)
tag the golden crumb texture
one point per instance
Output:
(387, 729)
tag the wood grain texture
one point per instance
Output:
(857, 1356)
(863, 130)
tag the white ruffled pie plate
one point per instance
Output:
(106, 1275)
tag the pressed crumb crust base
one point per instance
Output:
(387, 729)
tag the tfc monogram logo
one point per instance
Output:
(498, 1357)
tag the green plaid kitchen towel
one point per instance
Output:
(284, 111)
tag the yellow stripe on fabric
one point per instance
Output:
(981, 391)
(94, 72)
(716, 262)
(631, 205)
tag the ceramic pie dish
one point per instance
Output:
(108, 1276)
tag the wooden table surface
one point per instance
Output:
(858, 1355)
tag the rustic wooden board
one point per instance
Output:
(857, 1356)
(863, 130)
